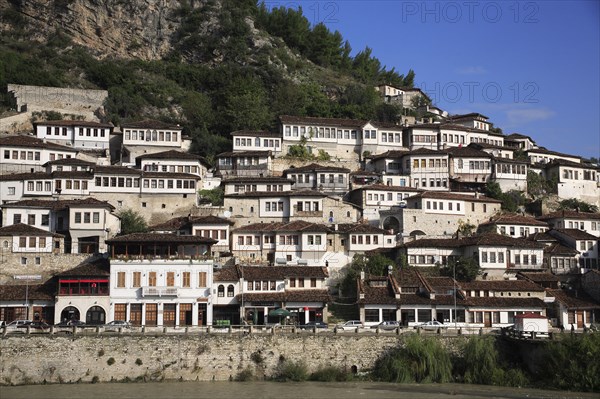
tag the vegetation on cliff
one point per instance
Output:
(232, 65)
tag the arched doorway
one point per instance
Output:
(95, 315)
(69, 313)
(390, 223)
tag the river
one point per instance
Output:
(275, 390)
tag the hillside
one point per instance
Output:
(213, 66)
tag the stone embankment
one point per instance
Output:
(38, 359)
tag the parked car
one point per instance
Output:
(70, 323)
(387, 325)
(15, 324)
(35, 325)
(313, 324)
(351, 325)
(432, 325)
(116, 324)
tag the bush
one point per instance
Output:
(110, 361)
(421, 360)
(572, 363)
(257, 357)
(245, 375)
(291, 371)
(329, 374)
(138, 361)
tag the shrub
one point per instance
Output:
(291, 371)
(421, 360)
(257, 357)
(110, 361)
(329, 374)
(138, 361)
(245, 375)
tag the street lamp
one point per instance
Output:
(454, 283)
(27, 278)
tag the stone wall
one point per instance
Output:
(50, 264)
(206, 357)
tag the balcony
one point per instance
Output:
(160, 291)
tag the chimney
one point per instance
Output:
(362, 276)
(335, 227)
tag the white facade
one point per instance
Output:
(168, 284)
(78, 134)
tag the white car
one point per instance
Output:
(16, 325)
(432, 325)
(351, 325)
(116, 324)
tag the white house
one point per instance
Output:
(513, 225)
(151, 136)
(564, 219)
(86, 223)
(575, 180)
(77, 134)
(329, 179)
(21, 153)
(585, 243)
(173, 161)
(161, 279)
(251, 140)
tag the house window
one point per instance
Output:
(30, 220)
(152, 279)
(170, 279)
(77, 217)
(86, 217)
(120, 279)
(96, 217)
(202, 279)
(137, 279)
(221, 291)
(313, 282)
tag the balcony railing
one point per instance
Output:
(160, 291)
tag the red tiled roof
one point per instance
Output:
(281, 272)
(255, 133)
(574, 233)
(565, 214)
(150, 124)
(21, 229)
(513, 218)
(335, 122)
(573, 300)
(172, 154)
(72, 123)
(501, 285)
(313, 167)
(59, 204)
(160, 238)
(454, 196)
(32, 142)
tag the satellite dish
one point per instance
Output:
(227, 214)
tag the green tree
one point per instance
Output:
(132, 222)
(376, 265)
(573, 204)
(465, 269)
(214, 196)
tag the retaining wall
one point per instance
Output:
(37, 359)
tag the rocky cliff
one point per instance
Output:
(141, 29)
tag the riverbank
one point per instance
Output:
(568, 363)
(274, 390)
